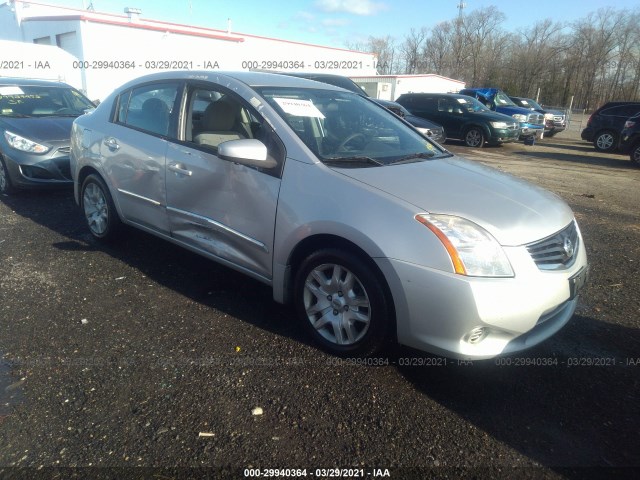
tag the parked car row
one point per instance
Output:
(430, 129)
(531, 123)
(373, 232)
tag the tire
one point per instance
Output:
(6, 187)
(634, 155)
(99, 210)
(549, 135)
(474, 137)
(605, 141)
(342, 303)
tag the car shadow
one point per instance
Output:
(174, 267)
(551, 404)
(571, 404)
(617, 162)
(574, 146)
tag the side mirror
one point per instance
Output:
(249, 152)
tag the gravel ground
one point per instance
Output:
(142, 354)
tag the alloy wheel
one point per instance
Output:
(96, 210)
(604, 141)
(336, 304)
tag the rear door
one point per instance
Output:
(216, 206)
(134, 148)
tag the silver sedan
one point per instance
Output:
(371, 231)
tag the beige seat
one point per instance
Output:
(218, 123)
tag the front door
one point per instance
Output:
(134, 149)
(217, 206)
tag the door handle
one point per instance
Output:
(111, 143)
(174, 167)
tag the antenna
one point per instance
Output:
(461, 6)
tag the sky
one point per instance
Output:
(340, 23)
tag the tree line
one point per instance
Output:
(587, 62)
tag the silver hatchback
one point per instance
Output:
(371, 231)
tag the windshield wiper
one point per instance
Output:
(413, 157)
(352, 160)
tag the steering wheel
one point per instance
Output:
(349, 139)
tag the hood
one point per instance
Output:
(492, 116)
(39, 129)
(514, 211)
(422, 122)
(509, 110)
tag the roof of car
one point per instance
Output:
(423, 94)
(31, 81)
(330, 78)
(252, 79)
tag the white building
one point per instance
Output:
(111, 49)
(44, 62)
(390, 87)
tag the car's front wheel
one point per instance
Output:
(99, 210)
(635, 155)
(342, 303)
(605, 141)
(474, 137)
(6, 187)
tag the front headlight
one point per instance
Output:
(548, 116)
(473, 251)
(519, 117)
(24, 144)
(499, 124)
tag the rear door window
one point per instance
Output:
(152, 108)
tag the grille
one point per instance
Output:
(558, 118)
(536, 119)
(66, 150)
(511, 126)
(557, 251)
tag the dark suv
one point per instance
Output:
(463, 118)
(606, 123)
(630, 139)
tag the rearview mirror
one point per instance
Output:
(249, 152)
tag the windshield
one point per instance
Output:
(528, 103)
(41, 101)
(502, 100)
(345, 127)
(468, 104)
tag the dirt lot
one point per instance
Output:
(143, 354)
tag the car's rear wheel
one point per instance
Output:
(99, 209)
(6, 187)
(474, 137)
(342, 303)
(635, 155)
(605, 141)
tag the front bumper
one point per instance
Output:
(503, 135)
(627, 142)
(439, 312)
(437, 135)
(27, 170)
(529, 130)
